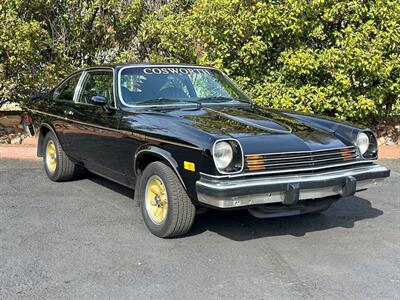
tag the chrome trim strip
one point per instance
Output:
(241, 149)
(223, 185)
(65, 80)
(308, 151)
(284, 171)
(137, 135)
(153, 66)
(366, 131)
(79, 86)
(300, 162)
(278, 196)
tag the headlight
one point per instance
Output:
(362, 142)
(223, 155)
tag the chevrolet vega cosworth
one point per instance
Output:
(186, 137)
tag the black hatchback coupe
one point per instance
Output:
(186, 137)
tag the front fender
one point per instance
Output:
(160, 153)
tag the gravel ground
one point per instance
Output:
(85, 239)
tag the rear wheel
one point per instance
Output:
(166, 208)
(56, 163)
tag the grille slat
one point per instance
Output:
(301, 157)
(311, 162)
(294, 160)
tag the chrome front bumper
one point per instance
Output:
(231, 193)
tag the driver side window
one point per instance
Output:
(97, 83)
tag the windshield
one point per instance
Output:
(172, 85)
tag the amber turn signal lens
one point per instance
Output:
(187, 165)
(255, 168)
(255, 162)
(254, 156)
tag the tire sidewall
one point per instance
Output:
(162, 229)
(51, 137)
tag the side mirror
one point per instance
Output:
(99, 100)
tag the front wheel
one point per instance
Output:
(166, 208)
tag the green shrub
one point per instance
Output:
(339, 58)
(20, 54)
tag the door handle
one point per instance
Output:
(69, 112)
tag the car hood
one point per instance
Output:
(256, 128)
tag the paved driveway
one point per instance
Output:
(85, 239)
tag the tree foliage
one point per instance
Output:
(340, 58)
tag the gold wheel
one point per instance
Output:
(156, 200)
(51, 157)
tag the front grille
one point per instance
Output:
(289, 161)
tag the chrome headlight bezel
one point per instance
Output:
(367, 144)
(236, 162)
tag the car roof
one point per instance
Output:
(122, 65)
(115, 65)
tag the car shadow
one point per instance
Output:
(115, 187)
(239, 225)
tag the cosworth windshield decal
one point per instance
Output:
(174, 70)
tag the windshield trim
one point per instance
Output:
(161, 65)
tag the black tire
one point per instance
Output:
(181, 211)
(65, 168)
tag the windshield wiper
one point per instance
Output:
(218, 99)
(166, 103)
(215, 98)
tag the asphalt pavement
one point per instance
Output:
(85, 239)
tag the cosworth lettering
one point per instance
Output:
(175, 71)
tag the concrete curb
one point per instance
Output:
(27, 150)
(18, 152)
(389, 151)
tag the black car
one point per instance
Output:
(186, 137)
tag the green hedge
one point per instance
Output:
(339, 58)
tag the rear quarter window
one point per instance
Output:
(66, 91)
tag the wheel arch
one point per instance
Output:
(43, 130)
(150, 153)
